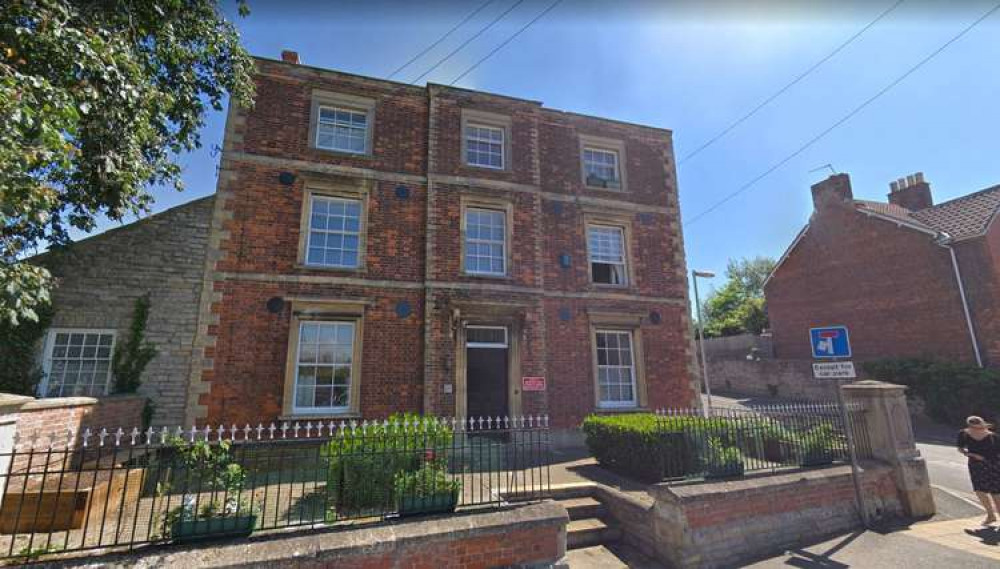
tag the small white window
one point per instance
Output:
(615, 369)
(484, 146)
(334, 232)
(342, 129)
(324, 366)
(606, 248)
(485, 242)
(601, 168)
(77, 363)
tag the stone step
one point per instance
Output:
(609, 557)
(590, 531)
(581, 508)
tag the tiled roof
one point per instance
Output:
(961, 218)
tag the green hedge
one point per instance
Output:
(364, 465)
(641, 445)
(950, 391)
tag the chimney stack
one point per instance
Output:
(289, 56)
(835, 190)
(911, 192)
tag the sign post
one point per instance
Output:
(832, 343)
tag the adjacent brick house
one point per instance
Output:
(376, 247)
(895, 273)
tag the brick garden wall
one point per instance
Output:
(525, 536)
(727, 524)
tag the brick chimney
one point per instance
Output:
(911, 192)
(289, 56)
(835, 190)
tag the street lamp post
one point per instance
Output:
(701, 335)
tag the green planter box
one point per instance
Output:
(207, 528)
(731, 470)
(433, 504)
(816, 458)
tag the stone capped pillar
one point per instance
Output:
(890, 432)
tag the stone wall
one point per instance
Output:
(98, 280)
(738, 347)
(526, 536)
(787, 379)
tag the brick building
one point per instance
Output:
(375, 247)
(908, 278)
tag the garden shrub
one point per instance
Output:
(642, 446)
(363, 464)
(950, 391)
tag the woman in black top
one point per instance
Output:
(982, 446)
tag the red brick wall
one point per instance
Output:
(42, 422)
(117, 412)
(250, 355)
(278, 125)
(722, 509)
(446, 139)
(979, 261)
(409, 364)
(648, 167)
(892, 287)
(511, 549)
(571, 364)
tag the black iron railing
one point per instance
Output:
(107, 490)
(729, 442)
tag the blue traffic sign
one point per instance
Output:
(830, 342)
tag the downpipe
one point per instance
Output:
(945, 241)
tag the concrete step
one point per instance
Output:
(589, 532)
(581, 508)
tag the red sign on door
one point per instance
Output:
(533, 383)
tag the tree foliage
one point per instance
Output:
(738, 307)
(19, 369)
(950, 391)
(97, 99)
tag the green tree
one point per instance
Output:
(738, 307)
(97, 100)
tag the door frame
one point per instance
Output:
(513, 326)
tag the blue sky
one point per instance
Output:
(694, 68)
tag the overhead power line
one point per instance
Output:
(789, 85)
(442, 38)
(508, 40)
(468, 41)
(845, 118)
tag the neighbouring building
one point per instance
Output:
(908, 278)
(376, 247)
